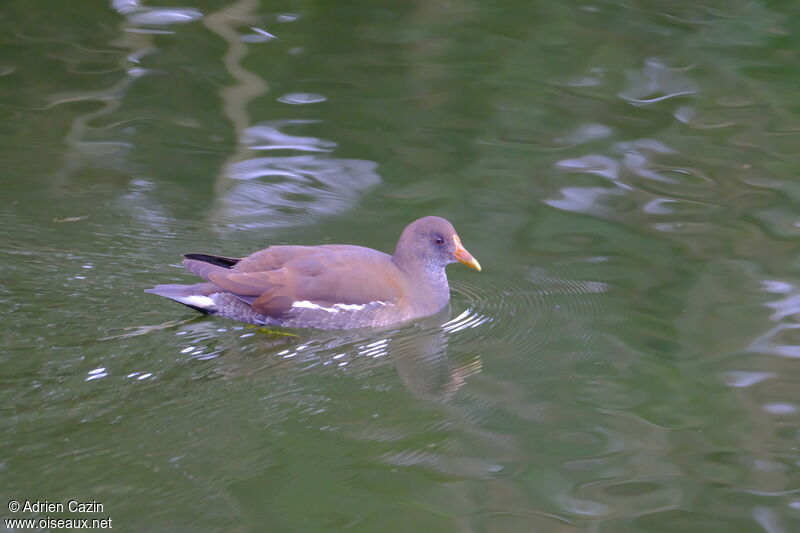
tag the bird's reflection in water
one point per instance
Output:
(419, 351)
(310, 389)
(423, 364)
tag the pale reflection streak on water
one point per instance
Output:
(780, 340)
(93, 145)
(267, 192)
(143, 15)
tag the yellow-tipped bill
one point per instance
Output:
(463, 256)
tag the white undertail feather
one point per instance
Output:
(195, 300)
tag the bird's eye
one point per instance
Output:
(439, 240)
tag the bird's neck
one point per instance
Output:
(428, 281)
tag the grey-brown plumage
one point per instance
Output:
(331, 286)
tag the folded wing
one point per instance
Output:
(276, 279)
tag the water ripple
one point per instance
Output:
(302, 98)
(296, 190)
(655, 82)
(291, 190)
(267, 136)
(136, 13)
(527, 317)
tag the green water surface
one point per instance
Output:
(625, 171)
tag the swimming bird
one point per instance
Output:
(331, 286)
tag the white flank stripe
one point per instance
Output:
(350, 307)
(305, 304)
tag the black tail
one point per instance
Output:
(218, 260)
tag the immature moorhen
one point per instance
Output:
(333, 286)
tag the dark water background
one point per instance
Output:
(625, 171)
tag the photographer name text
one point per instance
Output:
(44, 506)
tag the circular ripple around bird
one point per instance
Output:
(529, 316)
(508, 314)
